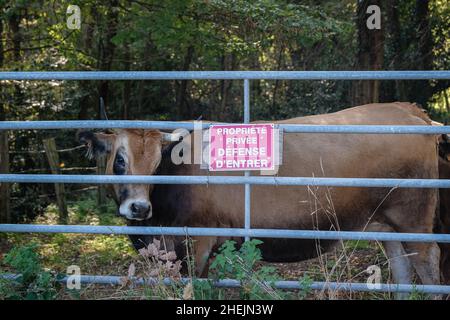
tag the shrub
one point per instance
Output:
(32, 282)
(241, 264)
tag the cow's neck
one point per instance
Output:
(170, 201)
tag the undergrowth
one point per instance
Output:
(114, 255)
(32, 282)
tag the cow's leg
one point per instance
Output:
(425, 258)
(202, 251)
(399, 262)
(419, 217)
(140, 241)
(445, 263)
(445, 266)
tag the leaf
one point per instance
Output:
(143, 252)
(170, 256)
(153, 250)
(156, 243)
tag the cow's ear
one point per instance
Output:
(97, 143)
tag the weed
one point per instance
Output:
(161, 269)
(418, 295)
(33, 282)
(256, 283)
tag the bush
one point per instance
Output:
(32, 282)
(256, 282)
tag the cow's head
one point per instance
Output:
(129, 152)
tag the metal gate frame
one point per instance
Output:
(246, 180)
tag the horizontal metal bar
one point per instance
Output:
(230, 232)
(228, 180)
(233, 283)
(97, 124)
(367, 129)
(172, 125)
(218, 75)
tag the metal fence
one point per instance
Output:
(246, 180)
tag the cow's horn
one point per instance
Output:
(171, 137)
(103, 115)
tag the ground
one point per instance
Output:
(113, 255)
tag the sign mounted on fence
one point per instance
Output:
(240, 147)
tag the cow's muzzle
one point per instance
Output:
(136, 210)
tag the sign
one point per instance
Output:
(242, 147)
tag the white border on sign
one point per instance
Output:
(273, 166)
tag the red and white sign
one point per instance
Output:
(241, 147)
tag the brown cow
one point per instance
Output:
(295, 207)
(443, 221)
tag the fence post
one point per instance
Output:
(5, 212)
(247, 188)
(101, 168)
(53, 160)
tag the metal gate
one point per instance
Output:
(246, 179)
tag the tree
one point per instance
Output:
(207, 35)
(5, 215)
(370, 52)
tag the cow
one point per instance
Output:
(147, 152)
(443, 217)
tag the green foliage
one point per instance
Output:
(305, 285)
(205, 290)
(194, 35)
(33, 282)
(418, 295)
(241, 264)
(190, 35)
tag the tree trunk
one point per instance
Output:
(87, 103)
(126, 84)
(395, 89)
(273, 111)
(15, 36)
(106, 54)
(370, 54)
(5, 214)
(296, 57)
(106, 51)
(181, 92)
(147, 63)
(447, 103)
(225, 87)
(425, 52)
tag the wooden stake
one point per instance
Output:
(53, 160)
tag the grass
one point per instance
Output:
(113, 255)
(95, 254)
